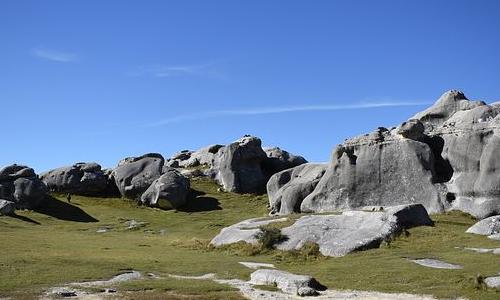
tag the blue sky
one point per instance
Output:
(102, 80)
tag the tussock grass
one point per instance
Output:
(58, 250)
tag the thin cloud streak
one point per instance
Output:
(161, 71)
(53, 55)
(279, 110)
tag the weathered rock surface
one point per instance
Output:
(446, 157)
(82, 179)
(169, 191)
(377, 169)
(7, 207)
(489, 226)
(436, 264)
(287, 189)
(244, 167)
(238, 166)
(279, 159)
(244, 231)
(20, 184)
(287, 282)
(134, 175)
(255, 265)
(338, 235)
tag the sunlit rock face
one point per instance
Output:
(446, 157)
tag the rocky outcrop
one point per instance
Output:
(338, 235)
(238, 166)
(446, 157)
(279, 159)
(134, 175)
(20, 184)
(188, 159)
(287, 189)
(244, 167)
(377, 169)
(169, 191)
(86, 179)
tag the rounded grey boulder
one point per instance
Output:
(169, 191)
(134, 175)
(279, 159)
(82, 179)
(7, 207)
(22, 186)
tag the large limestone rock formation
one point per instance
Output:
(446, 157)
(377, 169)
(238, 166)
(20, 184)
(134, 175)
(287, 189)
(81, 179)
(187, 159)
(169, 191)
(244, 167)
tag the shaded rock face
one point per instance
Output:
(134, 175)
(20, 184)
(82, 179)
(244, 167)
(287, 189)
(338, 235)
(169, 191)
(446, 157)
(279, 159)
(238, 166)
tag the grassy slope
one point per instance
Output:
(55, 251)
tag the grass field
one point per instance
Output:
(60, 244)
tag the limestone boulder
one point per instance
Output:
(489, 226)
(289, 283)
(279, 159)
(238, 166)
(134, 175)
(287, 189)
(82, 179)
(20, 185)
(7, 207)
(338, 235)
(169, 191)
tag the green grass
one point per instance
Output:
(57, 250)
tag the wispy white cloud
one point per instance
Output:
(281, 110)
(54, 55)
(206, 70)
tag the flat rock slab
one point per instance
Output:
(287, 282)
(255, 265)
(484, 250)
(243, 231)
(436, 264)
(134, 275)
(338, 235)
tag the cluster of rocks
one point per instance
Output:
(336, 235)
(445, 158)
(242, 167)
(20, 188)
